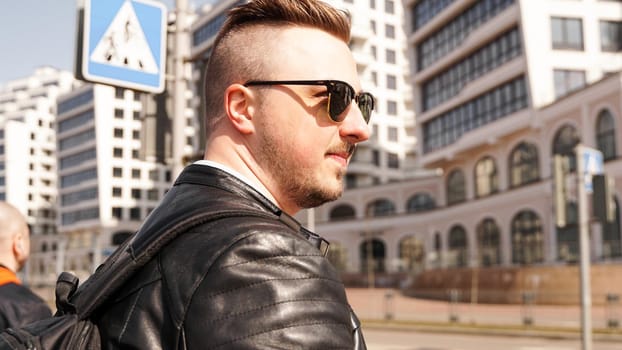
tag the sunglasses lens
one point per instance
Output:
(341, 96)
(365, 102)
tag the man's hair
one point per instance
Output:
(236, 58)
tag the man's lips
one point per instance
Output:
(342, 155)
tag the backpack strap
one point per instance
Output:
(135, 253)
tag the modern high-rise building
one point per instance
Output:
(378, 42)
(28, 155)
(109, 179)
(500, 87)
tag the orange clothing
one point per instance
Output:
(7, 276)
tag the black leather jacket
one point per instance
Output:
(233, 283)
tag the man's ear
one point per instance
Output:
(239, 107)
(19, 250)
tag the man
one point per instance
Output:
(18, 305)
(284, 112)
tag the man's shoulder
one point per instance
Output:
(17, 292)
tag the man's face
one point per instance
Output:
(303, 153)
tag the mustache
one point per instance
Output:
(348, 148)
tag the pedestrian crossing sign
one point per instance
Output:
(124, 43)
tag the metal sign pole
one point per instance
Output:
(584, 248)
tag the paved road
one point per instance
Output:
(413, 340)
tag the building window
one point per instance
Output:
(527, 239)
(488, 243)
(420, 202)
(136, 193)
(117, 152)
(342, 212)
(458, 249)
(567, 81)
(154, 175)
(135, 173)
(117, 192)
(393, 161)
(450, 82)
(391, 108)
(567, 33)
(486, 178)
(390, 56)
(135, 214)
(391, 82)
(425, 10)
(392, 133)
(564, 144)
(389, 31)
(117, 213)
(444, 40)
(389, 6)
(498, 103)
(380, 207)
(119, 92)
(372, 25)
(412, 254)
(524, 165)
(118, 133)
(117, 172)
(152, 194)
(611, 36)
(374, 52)
(372, 4)
(135, 135)
(606, 134)
(118, 113)
(568, 235)
(456, 187)
(137, 95)
(136, 115)
(135, 154)
(375, 157)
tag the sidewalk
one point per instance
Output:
(377, 309)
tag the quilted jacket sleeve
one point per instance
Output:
(269, 290)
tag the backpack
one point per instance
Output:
(72, 327)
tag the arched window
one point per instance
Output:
(457, 247)
(606, 134)
(338, 256)
(488, 243)
(524, 165)
(486, 179)
(342, 212)
(527, 238)
(420, 202)
(568, 235)
(612, 245)
(372, 255)
(456, 189)
(564, 143)
(380, 207)
(412, 254)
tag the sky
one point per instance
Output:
(35, 33)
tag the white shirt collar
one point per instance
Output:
(226, 169)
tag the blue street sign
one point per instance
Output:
(592, 165)
(125, 43)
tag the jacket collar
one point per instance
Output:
(7, 276)
(214, 177)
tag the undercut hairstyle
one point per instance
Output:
(237, 55)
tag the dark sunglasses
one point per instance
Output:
(340, 96)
